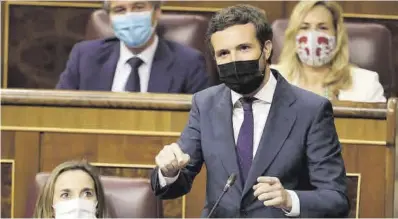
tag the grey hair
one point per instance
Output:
(106, 5)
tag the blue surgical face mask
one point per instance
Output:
(133, 28)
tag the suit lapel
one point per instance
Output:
(279, 123)
(161, 77)
(105, 69)
(221, 119)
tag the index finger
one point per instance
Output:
(267, 179)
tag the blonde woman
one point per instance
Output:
(73, 190)
(315, 55)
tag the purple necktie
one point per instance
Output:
(245, 138)
(133, 82)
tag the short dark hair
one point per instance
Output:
(240, 14)
(107, 6)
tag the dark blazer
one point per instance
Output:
(299, 146)
(175, 68)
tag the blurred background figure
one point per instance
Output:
(136, 60)
(315, 55)
(73, 190)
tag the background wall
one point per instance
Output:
(36, 47)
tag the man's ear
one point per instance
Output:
(267, 49)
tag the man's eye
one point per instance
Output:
(118, 10)
(243, 48)
(221, 54)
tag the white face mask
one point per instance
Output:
(315, 48)
(75, 208)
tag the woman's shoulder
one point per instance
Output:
(365, 87)
(363, 75)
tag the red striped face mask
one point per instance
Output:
(315, 48)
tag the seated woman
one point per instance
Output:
(315, 55)
(73, 190)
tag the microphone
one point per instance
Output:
(230, 182)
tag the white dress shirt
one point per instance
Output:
(123, 69)
(261, 108)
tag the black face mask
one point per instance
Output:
(243, 77)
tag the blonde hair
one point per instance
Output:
(339, 77)
(44, 202)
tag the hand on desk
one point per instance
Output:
(270, 191)
(171, 159)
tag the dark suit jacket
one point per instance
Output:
(299, 145)
(175, 68)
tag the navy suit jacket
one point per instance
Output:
(299, 146)
(175, 68)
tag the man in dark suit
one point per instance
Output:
(280, 140)
(136, 60)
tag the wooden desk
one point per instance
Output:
(122, 132)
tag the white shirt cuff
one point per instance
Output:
(164, 181)
(295, 212)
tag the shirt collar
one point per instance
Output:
(265, 94)
(146, 56)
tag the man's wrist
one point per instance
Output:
(288, 204)
(169, 174)
(292, 204)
